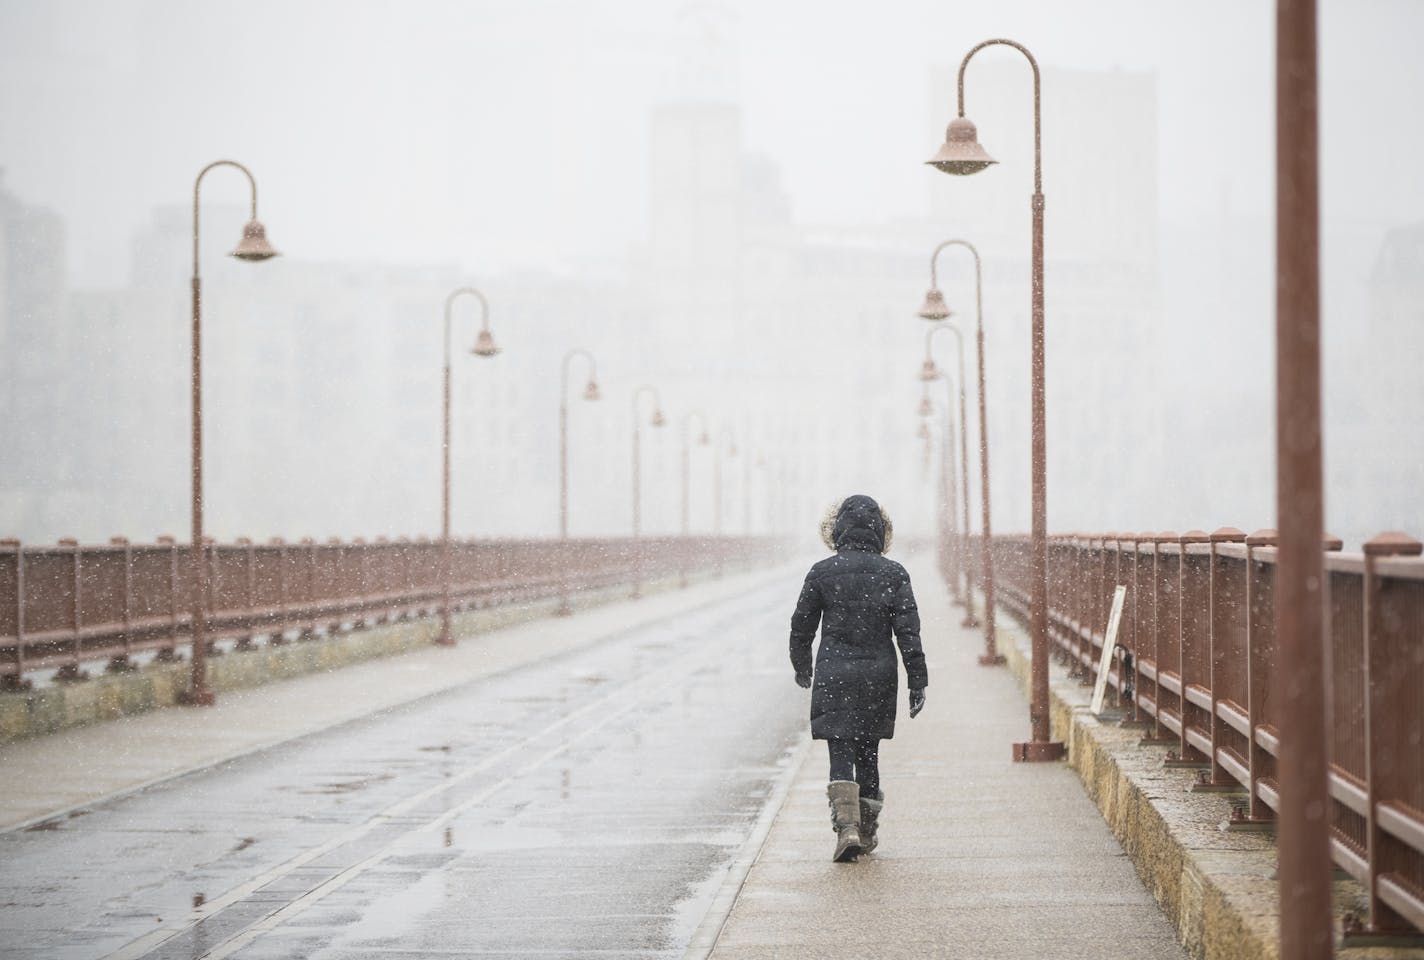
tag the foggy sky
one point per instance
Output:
(509, 134)
(508, 137)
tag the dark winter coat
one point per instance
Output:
(858, 598)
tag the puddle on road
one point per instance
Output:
(339, 787)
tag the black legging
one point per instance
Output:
(857, 760)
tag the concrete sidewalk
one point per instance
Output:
(979, 857)
(58, 774)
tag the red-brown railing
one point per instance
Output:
(1193, 661)
(68, 604)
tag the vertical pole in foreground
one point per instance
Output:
(1303, 841)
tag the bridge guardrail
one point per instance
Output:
(1193, 662)
(67, 604)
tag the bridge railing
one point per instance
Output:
(1193, 660)
(67, 604)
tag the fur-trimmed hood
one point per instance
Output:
(857, 522)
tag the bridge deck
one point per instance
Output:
(564, 788)
(979, 857)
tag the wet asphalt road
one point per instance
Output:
(582, 806)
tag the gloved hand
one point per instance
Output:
(803, 680)
(917, 702)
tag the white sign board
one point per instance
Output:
(1100, 689)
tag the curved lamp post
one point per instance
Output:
(252, 247)
(934, 309)
(961, 154)
(948, 492)
(930, 372)
(656, 420)
(703, 441)
(590, 392)
(484, 347)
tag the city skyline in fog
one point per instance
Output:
(559, 153)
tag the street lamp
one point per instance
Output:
(484, 347)
(948, 495)
(961, 154)
(590, 393)
(934, 309)
(703, 441)
(656, 420)
(929, 371)
(252, 247)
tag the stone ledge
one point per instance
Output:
(110, 696)
(1217, 888)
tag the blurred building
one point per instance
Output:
(37, 474)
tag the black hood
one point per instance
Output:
(860, 525)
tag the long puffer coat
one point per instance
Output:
(858, 598)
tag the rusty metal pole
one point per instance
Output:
(934, 310)
(484, 347)
(962, 154)
(1303, 844)
(252, 247)
(590, 393)
(949, 491)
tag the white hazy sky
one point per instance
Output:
(507, 133)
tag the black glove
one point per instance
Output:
(803, 680)
(917, 702)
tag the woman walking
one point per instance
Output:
(858, 598)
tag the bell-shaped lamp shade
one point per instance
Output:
(934, 308)
(926, 408)
(924, 433)
(590, 392)
(961, 154)
(254, 245)
(928, 370)
(485, 345)
(658, 419)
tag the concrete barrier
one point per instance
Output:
(109, 696)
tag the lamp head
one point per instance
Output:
(960, 154)
(934, 308)
(254, 245)
(485, 345)
(928, 370)
(924, 433)
(658, 420)
(591, 391)
(926, 408)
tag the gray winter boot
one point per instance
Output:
(845, 818)
(870, 820)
